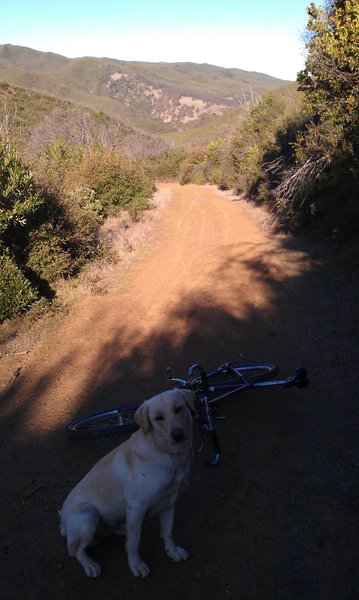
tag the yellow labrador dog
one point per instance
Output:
(143, 476)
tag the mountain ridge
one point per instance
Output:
(158, 97)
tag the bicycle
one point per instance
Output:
(209, 387)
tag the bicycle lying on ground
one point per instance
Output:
(209, 387)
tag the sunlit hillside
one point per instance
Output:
(158, 97)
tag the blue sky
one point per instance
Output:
(255, 35)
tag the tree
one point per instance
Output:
(326, 172)
(330, 79)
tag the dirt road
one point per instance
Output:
(278, 519)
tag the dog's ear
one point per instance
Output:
(141, 417)
(190, 399)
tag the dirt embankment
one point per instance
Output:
(278, 518)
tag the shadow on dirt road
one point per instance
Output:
(277, 520)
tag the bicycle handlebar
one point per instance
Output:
(299, 378)
(194, 367)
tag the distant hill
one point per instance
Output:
(33, 120)
(161, 98)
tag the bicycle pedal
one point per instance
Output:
(205, 429)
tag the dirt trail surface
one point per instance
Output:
(278, 519)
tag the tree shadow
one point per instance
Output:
(278, 518)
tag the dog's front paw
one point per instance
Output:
(177, 553)
(139, 568)
(92, 568)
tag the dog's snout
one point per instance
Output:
(177, 434)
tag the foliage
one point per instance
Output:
(36, 121)
(192, 169)
(22, 111)
(262, 138)
(145, 98)
(57, 165)
(16, 293)
(167, 165)
(327, 150)
(19, 196)
(330, 79)
(47, 256)
(212, 154)
(298, 151)
(50, 216)
(241, 161)
(213, 159)
(118, 182)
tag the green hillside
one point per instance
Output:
(33, 120)
(209, 129)
(157, 97)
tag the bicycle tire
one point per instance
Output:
(257, 372)
(251, 370)
(108, 422)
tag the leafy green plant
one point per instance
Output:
(192, 169)
(16, 293)
(326, 150)
(47, 256)
(167, 165)
(330, 79)
(253, 150)
(58, 166)
(19, 195)
(118, 182)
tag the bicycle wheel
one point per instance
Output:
(232, 373)
(108, 422)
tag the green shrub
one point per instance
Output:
(167, 166)
(118, 182)
(322, 182)
(214, 175)
(80, 235)
(198, 176)
(192, 170)
(50, 218)
(19, 195)
(250, 173)
(213, 152)
(16, 293)
(266, 133)
(59, 165)
(46, 256)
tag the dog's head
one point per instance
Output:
(167, 417)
